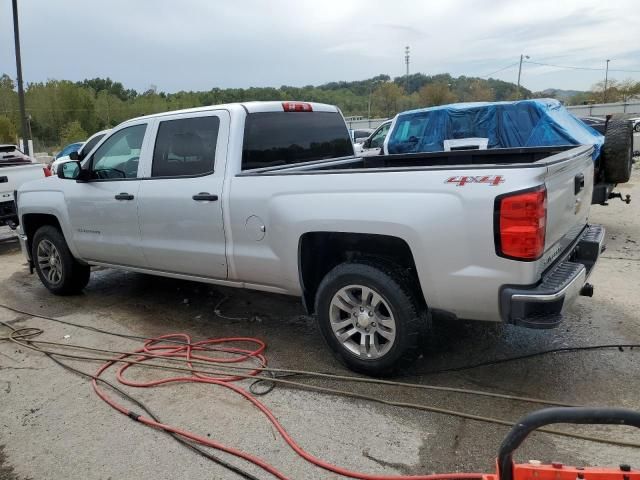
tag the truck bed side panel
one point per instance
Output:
(449, 228)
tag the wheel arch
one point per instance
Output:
(320, 251)
(31, 222)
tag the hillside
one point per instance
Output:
(63, 111)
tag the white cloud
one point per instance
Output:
(201, 44)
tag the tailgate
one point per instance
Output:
(11, 177)
(569, 183)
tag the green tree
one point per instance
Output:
(480, 92)
(387, 96)
(628, 88)
(436, 94)
(72, 132)
(8, 132)
(101, 102)
(612, 94)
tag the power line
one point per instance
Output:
(572, 67)
(500, 70)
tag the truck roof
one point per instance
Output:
(249, 107)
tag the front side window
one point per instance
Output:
(87, 147)
(378, 138)
(185, 147)
(286, 138)
(118, 156)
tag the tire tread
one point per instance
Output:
(617, 151)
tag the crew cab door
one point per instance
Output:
(180, 201)
(103, 210)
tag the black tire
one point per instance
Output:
(617, 152)
(397, 291)
(72, 277)
(637, 127)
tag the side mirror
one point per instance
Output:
(69, 170)
(366, 143)
(74, 156)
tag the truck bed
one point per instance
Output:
(503, 157)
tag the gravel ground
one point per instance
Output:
(53, 426)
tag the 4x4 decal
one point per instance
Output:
(461, 181)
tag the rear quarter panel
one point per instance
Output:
(448, 227)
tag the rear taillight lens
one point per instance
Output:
(297, 107)
(521, 223)
(47, 171)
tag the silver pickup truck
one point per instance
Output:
(269, 196)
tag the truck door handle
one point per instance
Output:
(205, 196)
(124, 196)
(578, 183)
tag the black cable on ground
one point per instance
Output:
(25, 335)
(606, 346)
(618, 346)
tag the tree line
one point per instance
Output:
(62, 111)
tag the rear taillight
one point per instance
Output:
(521, 220)
(47, 171)
(297, 107)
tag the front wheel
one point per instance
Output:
(368, 315)
(58, 270)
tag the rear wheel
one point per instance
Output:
(368, 315)
(58, 270)
(617, 152)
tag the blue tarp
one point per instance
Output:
(526, 123)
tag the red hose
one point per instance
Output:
(157, 347)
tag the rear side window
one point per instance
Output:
(185, 147)
(286, 138)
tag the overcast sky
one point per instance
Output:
(197, 45)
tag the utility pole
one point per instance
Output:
(522, 57)
(606, 79)
(23, 113)
(406, 60)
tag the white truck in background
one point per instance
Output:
(269, 196)
(16, 168)
(82, 152)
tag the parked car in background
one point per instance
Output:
(85, 148)
(72, 147)
(16, 168)
(636, 123)
(521, 124)
(269, 196)
(359, 135)
(373, 144)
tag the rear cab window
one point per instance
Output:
(185, 147)
(287, 138)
